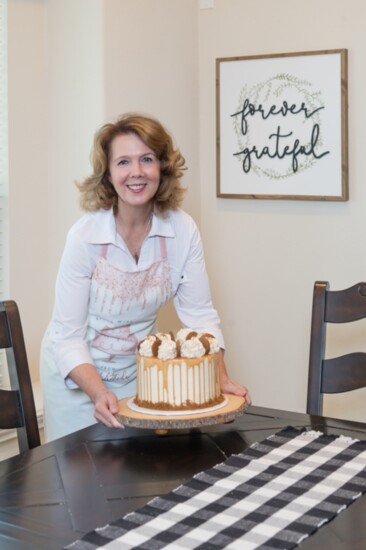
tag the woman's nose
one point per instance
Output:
(137, 170)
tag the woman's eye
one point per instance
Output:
(122, 162)
(147, 159)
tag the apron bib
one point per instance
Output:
(123, 309)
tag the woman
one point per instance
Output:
(124, 259)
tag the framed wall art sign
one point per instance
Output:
(282, 126)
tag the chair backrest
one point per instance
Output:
(338, 374)
(17, 408)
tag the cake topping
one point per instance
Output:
(167, 349)
(192, 348)
(206, 344)
(165, 336)
(188, 343)
(155, 347)
(145, 346)
(214, 345)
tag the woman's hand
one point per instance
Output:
(230, 386)
(106, 406)
(105, 401)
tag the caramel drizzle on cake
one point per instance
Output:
(177, 383)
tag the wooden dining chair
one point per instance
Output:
(17, 408)
(338, 374)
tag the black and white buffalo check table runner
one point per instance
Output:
(273, 495)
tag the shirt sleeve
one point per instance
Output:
(192, 300)
(69, 323)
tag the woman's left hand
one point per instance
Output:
(230, 386)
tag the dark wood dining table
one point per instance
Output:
(56, 493)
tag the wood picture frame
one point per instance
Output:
(282, 126)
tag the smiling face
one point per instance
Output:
(134, 170)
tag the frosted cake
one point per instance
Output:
(178, 373)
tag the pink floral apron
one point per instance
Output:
(123, 308)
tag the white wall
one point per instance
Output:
(75, 84)
(55, 104)
(76, 63)
(273, 251)
(28, 152)
(151, 65)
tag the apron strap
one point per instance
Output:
(104, 252)
(163, 250)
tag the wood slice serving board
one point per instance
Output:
(234, 407)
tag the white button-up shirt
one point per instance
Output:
(85, 240)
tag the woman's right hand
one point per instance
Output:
(105, 401)
(106, 406)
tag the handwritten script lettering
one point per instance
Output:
(278, 142)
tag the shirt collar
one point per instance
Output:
(103, 230)
(162, 226)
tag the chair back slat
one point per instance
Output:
(345, 373)
(17, 407)
(337, 374)
(11, 411)
(5, 341)
(343, 306)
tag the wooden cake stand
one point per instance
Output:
(234, 407)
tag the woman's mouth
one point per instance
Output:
(136, 186)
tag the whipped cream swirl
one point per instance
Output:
(188, 343)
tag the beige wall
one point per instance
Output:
(55, 104)
(151, 65)
(275, 250)
(76, 63)
(75, 84)
(28, 183)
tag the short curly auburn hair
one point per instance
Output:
(99, 193)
